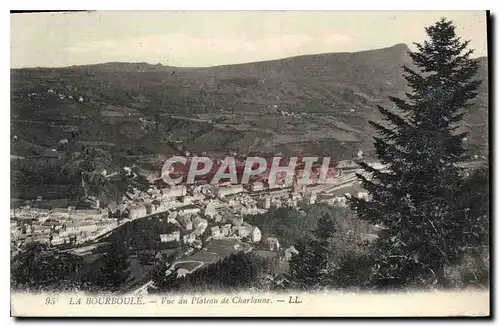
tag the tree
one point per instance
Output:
(324, 233)
(289, 224)
(114, 272)
(474, 200)
(37, 268)
(305, 267)
(235, 272)
(86, 169)
(159, 276)
(312, 266)
(416, 195)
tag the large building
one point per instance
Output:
(173, 192)
(170, 237)
(222, 191)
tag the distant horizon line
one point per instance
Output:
(214, 66)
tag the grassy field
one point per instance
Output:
(188, 265)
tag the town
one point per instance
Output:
(192, 215)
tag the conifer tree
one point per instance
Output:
(325, 230)
(161, 280)
(310, 268)
(415, 196)
(115, 270)
(305, 267)
(38, 268)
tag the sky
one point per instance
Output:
(201, 39)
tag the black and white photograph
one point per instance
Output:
(188, 160)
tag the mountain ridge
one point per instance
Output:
(402, 46)
(398, 46)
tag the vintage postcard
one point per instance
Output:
(250, 164)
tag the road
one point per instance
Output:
(143, 290)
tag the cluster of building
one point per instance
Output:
(62, 96)
(288, 113)
(57, 226)
(207, 212)
(59, 95)
(221, 208)
(187, 227)
(196, 211)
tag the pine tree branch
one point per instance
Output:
(394, 118)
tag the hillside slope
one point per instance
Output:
(314, 104)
